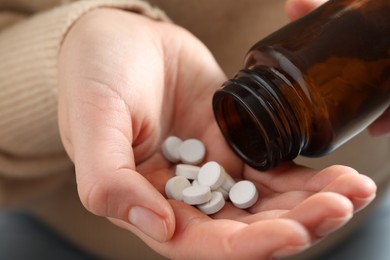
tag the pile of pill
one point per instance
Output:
(208, 186)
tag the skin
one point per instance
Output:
(123, 91)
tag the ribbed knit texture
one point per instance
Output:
(30, 144)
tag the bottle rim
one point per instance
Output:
(257, 133)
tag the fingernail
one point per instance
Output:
(289, 250)
(148, 222)
(331, 224)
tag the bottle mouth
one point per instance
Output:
(246, 115)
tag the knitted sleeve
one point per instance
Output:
(30, 144)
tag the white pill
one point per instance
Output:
(214, 205)
(243, 194)
(196, 195)
(170, 148)
(192, 151)
(224, 192)
(212, 175)
(187, 170)
(175, 186)
(228, 182)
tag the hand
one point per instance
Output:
(125, 84)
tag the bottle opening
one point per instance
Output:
(256, 120)
(238, 114)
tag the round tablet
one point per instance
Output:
(187, 170)
(192, 151)
(170, 148)
(228, 182)
(224, 192)
(214, 205)
(196, 195)
(243, 194)
(195, 183)
(211, 174)
(175, 186)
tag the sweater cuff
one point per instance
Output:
(30, 144)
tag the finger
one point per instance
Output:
(381, 126)
(322, 213)
(198, 236)
(108, 184)
(292, 177)
(360, 189)
(297, 8)
(97, 83)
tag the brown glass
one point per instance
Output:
(311, 86)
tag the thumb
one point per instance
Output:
(108, 183)
(96, 75)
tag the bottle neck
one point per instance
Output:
(257, 120)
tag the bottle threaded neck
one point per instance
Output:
(256, 119)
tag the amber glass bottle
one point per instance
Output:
(311, 86)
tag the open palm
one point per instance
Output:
(126, 83)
